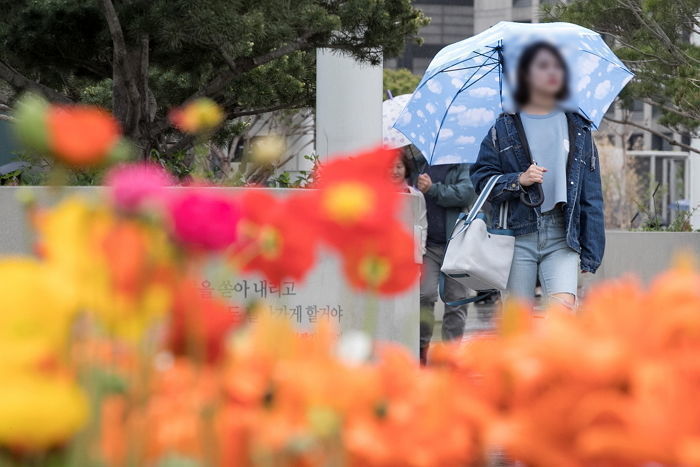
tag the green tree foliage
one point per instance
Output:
(400, 81)
(653, 39)
(143, 57)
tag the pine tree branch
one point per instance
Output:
(669, 139)
(20, 82)
(671, 109)
(238, 66)
(655, 28)
(261, 110)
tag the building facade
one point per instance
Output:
(454, 20)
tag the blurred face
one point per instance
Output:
(546, 75)
(398, 172)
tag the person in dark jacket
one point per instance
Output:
(550, 176)
(448, 191)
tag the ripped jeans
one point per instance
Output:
(544, 254)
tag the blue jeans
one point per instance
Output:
(544, 253)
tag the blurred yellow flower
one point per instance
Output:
(35, 312)
(116, 269)
(40, 411)
(267, 149)
(198, 116)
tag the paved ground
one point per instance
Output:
(479, 318)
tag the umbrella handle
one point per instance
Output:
(540, 197)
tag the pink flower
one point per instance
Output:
(204, 219)
(133, 186)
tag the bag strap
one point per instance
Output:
(526, 147)
(463, 301)
(483, 196)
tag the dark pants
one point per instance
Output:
(455, 316)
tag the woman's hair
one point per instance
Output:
(522, 90)
(408, 162)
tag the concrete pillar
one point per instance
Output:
(348, 104)
(693, 177)
(693, 180)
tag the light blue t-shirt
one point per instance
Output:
(548, 138)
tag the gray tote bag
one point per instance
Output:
(478, 255)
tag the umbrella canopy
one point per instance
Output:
(391, 108)
(468, 84)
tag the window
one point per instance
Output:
(521, 3)
(635, 142)
(661, 144)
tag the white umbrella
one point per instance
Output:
(391, 109)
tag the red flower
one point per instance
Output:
(273, 240)
(81, 136)
(382, 263)
(204, 219)
(199, 325)
(356, 196)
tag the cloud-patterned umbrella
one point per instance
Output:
(391, 108)
(469, 83)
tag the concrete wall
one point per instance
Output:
(643, 254)
(324, 289)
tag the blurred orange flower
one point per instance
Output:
(199, 325)
(178, 418)
(81, 136)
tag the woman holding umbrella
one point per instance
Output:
(550, 180)
(523, 77)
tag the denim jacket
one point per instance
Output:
(502, 153)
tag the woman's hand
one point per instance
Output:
(533, 174)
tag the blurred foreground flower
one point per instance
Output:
(267, 149)
(40, 411)
(382, 263)
(135, 186)
(273, 240)
(356, 198)
(198, 116)
(291, 399)
(199, 325)
(41, 404)
(611, 387)
(204, 220)
(76, 135)
(116, 269)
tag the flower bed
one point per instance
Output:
(111, 356)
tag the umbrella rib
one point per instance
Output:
(447, 110)
(624, 67)
(481, 65)
(470, 57)
(492, 47)
(479, 79)
(587, 117)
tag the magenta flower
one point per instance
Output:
(204, 219)
(135, 186)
